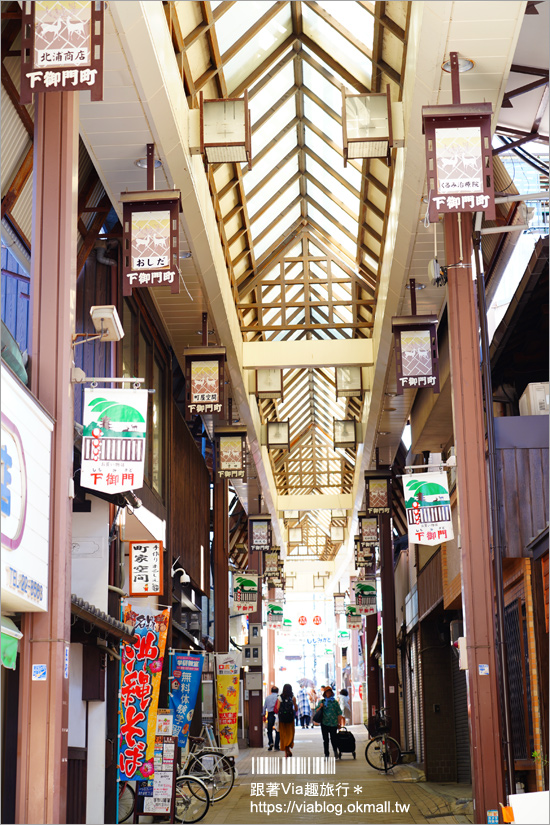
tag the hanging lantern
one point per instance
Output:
(278, 435)
(349, 382)
(416, 353)
(337, 532)
(345, 434)
(61, 48)
(269, 383)
(230, 452)
(225, 130)
(367, 125)
(204, 381)
(259, 533)
(339, 603)
(150, 239)
(459, 159)
(294, 535)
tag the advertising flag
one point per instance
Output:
(139, 690)
(184, 688)
(227, 699)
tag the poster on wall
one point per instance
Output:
(141, 672)
(428, 508)
(228, 666)
(186, 672)
(365, 597)
(113, 439)
(146, 568)
(245, 592)
(61, 48)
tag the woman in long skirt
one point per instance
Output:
(286, 708)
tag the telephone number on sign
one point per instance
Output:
(23, 584)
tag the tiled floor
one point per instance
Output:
(340, 797)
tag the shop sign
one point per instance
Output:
(141, 672)
(245, 592)
(26, 445)
(317, 620)
(354, 620)
(271, 564)
(368, 531)
(61, 48)
(416, 352)
(378, 495)
(113, 439)
(184, 687)
(227, 699)
(231, 452)
(428, 508)
(365, 596)
(302, 621)
(259, 533)
(274, 614)
(204, 380)
(146, 568)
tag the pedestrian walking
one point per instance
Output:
(304, 708)
(345, 718)
(270, 717)
(286, 709)
(329, 722)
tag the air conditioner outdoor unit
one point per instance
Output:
(534, 400)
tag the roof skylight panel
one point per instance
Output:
(333, 232)
(273, 126)
(286, 197)
(332, 158)
(279, 230)
(337, 46)
(234, 24)
(270, 161)
(259, 47)
(273, 90)
(333, 208)
(331, 182)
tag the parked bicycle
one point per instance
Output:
(126, 801)
(383, 751)
(208, 763)
(192, 800)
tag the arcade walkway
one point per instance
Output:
(353, 784)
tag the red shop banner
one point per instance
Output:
(139, 690)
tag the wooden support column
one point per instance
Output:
(43, 708)
(270, 636)
(473, 503)
(373, 676)
(255, 699)
(389, 641)
(221, 565)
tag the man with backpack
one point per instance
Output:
(269, 715)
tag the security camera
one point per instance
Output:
(184, 578)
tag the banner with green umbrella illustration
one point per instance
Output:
(354, 619)
(428, 508)
(245, 592)
(365, 596)
(274, 614)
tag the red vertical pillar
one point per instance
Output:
(473, 502)
(255, 701)
(389, 641)
(373, 679)
(43, 720)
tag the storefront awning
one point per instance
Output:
(91, 614)
(10, 642)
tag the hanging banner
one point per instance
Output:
(271, 563)
(259, 533)
(146, 568)
(368, 531)
(245, 592)
(227, 695)
(366, 561)
(184, 687)
(365, 596)
(61, 48)
(428, 507)
(230, 452)
(274, 614)
(139, 690)
(204, 377)
(354, 620)
(113, 439)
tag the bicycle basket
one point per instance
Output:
(379, 724)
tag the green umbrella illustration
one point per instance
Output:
(419, 490)
(362, 587)
(244, 583)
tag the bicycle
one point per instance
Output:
(192, 799)
(210, 765)
(126, 801)
(383, 751)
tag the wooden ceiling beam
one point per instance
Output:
(253, 30)
(13, 95)
(273, 109)
(288, 56)
(334, 65)
(20, 179)
(282, 162)
(262, 68)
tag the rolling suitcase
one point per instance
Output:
(346, 741)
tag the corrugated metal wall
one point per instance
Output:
(462, 729)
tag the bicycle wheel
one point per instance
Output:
(393, 752)
(126, 801)
(382, 753)
(192, 799)
(216, 772)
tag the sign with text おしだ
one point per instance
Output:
(113, 439)
(428, 508)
